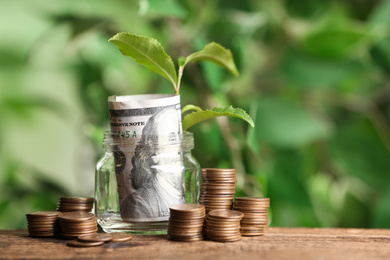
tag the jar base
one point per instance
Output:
(112, 223)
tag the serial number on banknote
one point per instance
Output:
(124, 134)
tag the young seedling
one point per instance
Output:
(149, 53)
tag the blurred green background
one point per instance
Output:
(314, 77)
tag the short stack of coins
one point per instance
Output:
(67, 204)
(223, 225)
(42, 223)
(186, 222)
(77, 223)
(255, 215)
(217, 188)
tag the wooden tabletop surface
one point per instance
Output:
(277, 243)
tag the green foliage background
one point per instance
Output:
(314, 76)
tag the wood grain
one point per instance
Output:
(277, 243)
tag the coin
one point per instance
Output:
(95, 237)
(225, 239)
(217, 170)
(252, 201)
(229, 214)
(76, 216)
(77, 199)
(186, 239)
(121, 237)
(77, 243)
(186, 222)
(40, 214)
(187, 207)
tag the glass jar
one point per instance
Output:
(159, 172)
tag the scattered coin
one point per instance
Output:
(77, 243)
(96, 237)
(121, 237)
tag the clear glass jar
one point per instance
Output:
(139, 201)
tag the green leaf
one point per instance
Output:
(196, 117)
(190, 107)
(148, 52)
(215, 53)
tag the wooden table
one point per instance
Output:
(277, 243)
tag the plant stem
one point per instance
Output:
(179, 75)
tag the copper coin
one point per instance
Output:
(76, 199)
(252, 210)
(96, 237)
(230, 214)
(222, 225)
(213, 203)
(222, 228)
(228, 239)
(76, 216)
(251, 215)
(52, 214)
(218, 169)
(186, 221)
(121, 237)
(41, 234)
(176, 226)
(186, 239)
(187, 207)
(77, 243)
(218, 181)
(216, 198)
(252, 201)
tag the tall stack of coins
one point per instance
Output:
(255, 215)
(217, 188)
(66, 204)
(186, 222)
(77, 223)
(223, 225)
(42, 223)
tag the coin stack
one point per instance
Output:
(186, 222)
(42, 223)
(217, 188)
(255, 215)
(66, 204)
(223, 225)
(77, 223)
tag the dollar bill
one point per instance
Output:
(149, 176)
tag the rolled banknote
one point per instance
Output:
(149, 169)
